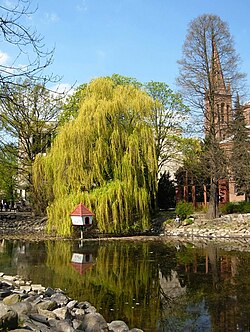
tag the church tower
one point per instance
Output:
(218, 101)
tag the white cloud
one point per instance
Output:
(81, 6)
(51, 17)
(3, 58)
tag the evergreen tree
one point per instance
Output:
(240, 157)
(105, 158)
(166, 192)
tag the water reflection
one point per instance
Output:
(152, 285)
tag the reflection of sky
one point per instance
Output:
(195, 319)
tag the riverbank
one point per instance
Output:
(30, 307)
(23, 225)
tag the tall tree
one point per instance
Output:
(28, 120)
(240, 154)
(8, 172)
(105, 158)
(169, 115)
(208, 57)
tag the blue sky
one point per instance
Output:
(137, 38)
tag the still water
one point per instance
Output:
(156, 286)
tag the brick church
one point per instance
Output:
(223, 117)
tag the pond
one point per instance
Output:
(154, 285)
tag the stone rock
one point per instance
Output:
(118, 326)
(95, 323)
(37, 287)
(78, 324)
(79, 313)
(135, 330)
(47, 313)
(60, 298)
(11, 299)
(62, 313)
(8, 320)
(22, 307)
(61, 325)
(39, 318)
(71, 304)
(37, 311)
(49, 291)
(47, 305)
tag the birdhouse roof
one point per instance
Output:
(81, 211)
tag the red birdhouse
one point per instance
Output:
(82, 216)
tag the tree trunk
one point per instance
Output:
(213, 212)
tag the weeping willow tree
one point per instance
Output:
(104, 158)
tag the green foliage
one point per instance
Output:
(168, 120)
(189, 221)
(167, 222)
(184, 209)
(104, 158)
(8, 172)
(71, 106)
(240, 156)
(235, 207)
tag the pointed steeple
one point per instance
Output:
(216, 70)
(237, 101)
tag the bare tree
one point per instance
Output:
(209, 76)
(30, 55)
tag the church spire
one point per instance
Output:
(216, 71)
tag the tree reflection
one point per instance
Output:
(122, 283)
(155, 286)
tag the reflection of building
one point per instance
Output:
(82, 262)
(171, 287)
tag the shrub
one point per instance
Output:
(236, 207)
(184, 209)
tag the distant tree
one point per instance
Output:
(240, 155)
(104, 158)
(8, 172)
(29, 121)
(168, 120)
(166, 192)
(208, 39)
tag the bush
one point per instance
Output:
(236, 207)
(184, 209)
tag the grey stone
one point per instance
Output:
(60, 298)
(62, 313)
(78, 324)
(79, 313)
(47, 313)
(95, 323)
(61, 325)
(49, 291)
(71, 304)
(47, 305)
(118, 326)
(22, 307)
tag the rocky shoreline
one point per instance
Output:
(231, 226)
(30, 307)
